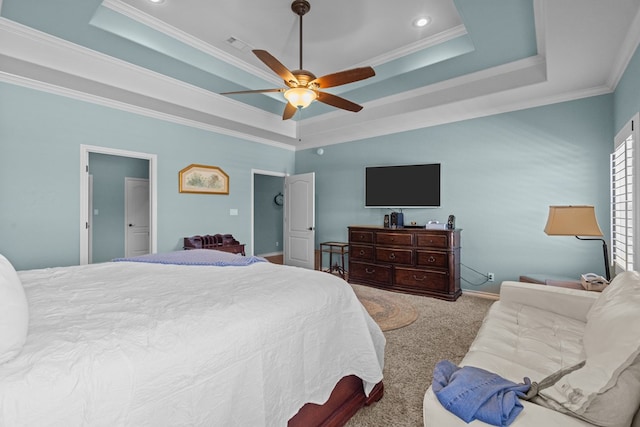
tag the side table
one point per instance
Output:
(339, 248)
(551, 280)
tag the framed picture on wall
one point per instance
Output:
(203, 179)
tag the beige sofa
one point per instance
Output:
(534, 331)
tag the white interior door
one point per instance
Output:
(299, 220)
(136, 217)
(90, 219)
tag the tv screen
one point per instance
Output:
(406, 186)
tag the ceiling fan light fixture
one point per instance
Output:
(300, 97)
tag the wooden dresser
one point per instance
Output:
(412, 260)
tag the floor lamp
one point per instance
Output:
(576, 221)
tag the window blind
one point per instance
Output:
(622, 204)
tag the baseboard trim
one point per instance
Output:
(480, 294)
(270, 254)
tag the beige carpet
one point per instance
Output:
(389, 309)
(443, 330)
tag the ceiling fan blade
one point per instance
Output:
(253, 91)
(289, 111)
(277, 67)
(344, 77)
(338, 102)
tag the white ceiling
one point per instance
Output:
(337, 34)
(172, 60)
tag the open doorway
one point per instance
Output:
(267, 214)
(103, 201)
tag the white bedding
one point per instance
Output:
(134, 344)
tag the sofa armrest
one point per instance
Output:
(567, 302)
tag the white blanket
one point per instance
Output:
(133, 344)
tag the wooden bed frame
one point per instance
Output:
(346, 399)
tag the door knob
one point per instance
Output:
(130, 225)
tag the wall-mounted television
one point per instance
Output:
(402, 186)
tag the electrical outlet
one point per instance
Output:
(490, 277)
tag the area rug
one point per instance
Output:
(390, 310)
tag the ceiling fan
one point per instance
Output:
(303, 87)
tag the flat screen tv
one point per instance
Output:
(403, 186)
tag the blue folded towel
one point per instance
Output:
(473, 393)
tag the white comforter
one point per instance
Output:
(133, 344)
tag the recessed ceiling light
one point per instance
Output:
(423, 21)
(157, 1)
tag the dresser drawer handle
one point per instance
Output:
(361, 251)
(369, 270)
(419, 279)
(392, 256)
(431, 259)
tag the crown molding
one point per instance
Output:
(36, 49)
(161, 26)
(626, 51)
(447, 102)
(44, 62)
(540, 22)
(419, 45)
(21, 80)
(466, 109)
(155, 95)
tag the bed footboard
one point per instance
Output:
(345, 400)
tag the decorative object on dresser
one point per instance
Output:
(219, 242)
(415, 261)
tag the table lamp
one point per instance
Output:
(576, 221)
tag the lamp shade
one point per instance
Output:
(300, 97)
(572, 221)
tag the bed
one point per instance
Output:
(204, 344)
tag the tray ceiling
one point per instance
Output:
(174, 58)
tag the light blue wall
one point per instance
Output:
(627, 94)
(499, 176)
(109, 173)
(268, 216)
(40, 138)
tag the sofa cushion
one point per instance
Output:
(606, 391)
(517, 340)
(14, 312)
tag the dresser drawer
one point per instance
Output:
(394, 239)
(361, 252)
(370, 273)
(433, 240)
(394, 256)
(357, 236)
(432, 259)
(422, 279)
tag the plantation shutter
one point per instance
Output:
(622, 200)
